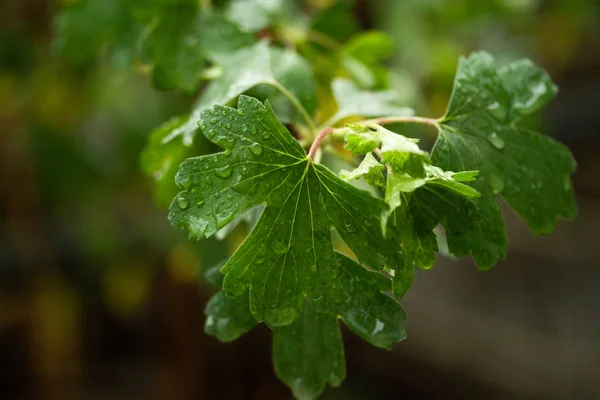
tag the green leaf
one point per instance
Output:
(308, 354)
(294, 73)
(371, 47)
(419, 242)
(160, 161)
(180, 40)
(289, 254)
(370, 169)
(85, 27)
(409, 171)
(480, 132)
(242, 70)
(353, 102)
(362, 57)
(399, 183)
(403, 154)
(337, 21)
(228, 318)
(254, 15)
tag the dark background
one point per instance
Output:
(100, 296)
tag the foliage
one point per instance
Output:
(281, 86)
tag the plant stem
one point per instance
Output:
(290, 96)
(403, 120)
(324, 40)
(317, 142)
(379, 121)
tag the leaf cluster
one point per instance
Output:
(319, 248)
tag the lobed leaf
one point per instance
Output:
(289, 254)
(308, 354)
(242, 70)
(480, 132)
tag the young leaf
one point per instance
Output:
(309, 353)
(408, 171)
(402, 154)
(370, 169)
(480, 132)
(289, 254)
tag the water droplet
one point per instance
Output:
(496, 141)
(379, 325)
(350, 227)
(229, 197)
(244, 128)
(212, 111)
(223, 172)
(279, 246)
(211, 133)
(185, 182)
(214, 121)
(266, 135)
(228, 126)
(182, 202)
(256, 149)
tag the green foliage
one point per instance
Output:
(321, 249)
(529, 170)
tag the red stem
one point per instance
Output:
(317, 142)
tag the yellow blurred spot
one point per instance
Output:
(183, 264)
(126, 286)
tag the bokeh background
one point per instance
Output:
(100, 298)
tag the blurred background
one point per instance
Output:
(100, 298)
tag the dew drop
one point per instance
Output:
(214, 121)
(496, 141)
(279, 246)
(266, 135)
(350, 227)
(244, 127)
(223, 172)
(185, 182)
(256, 149)
(182, 202)
(228, 126)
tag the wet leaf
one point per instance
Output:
(288, 257)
